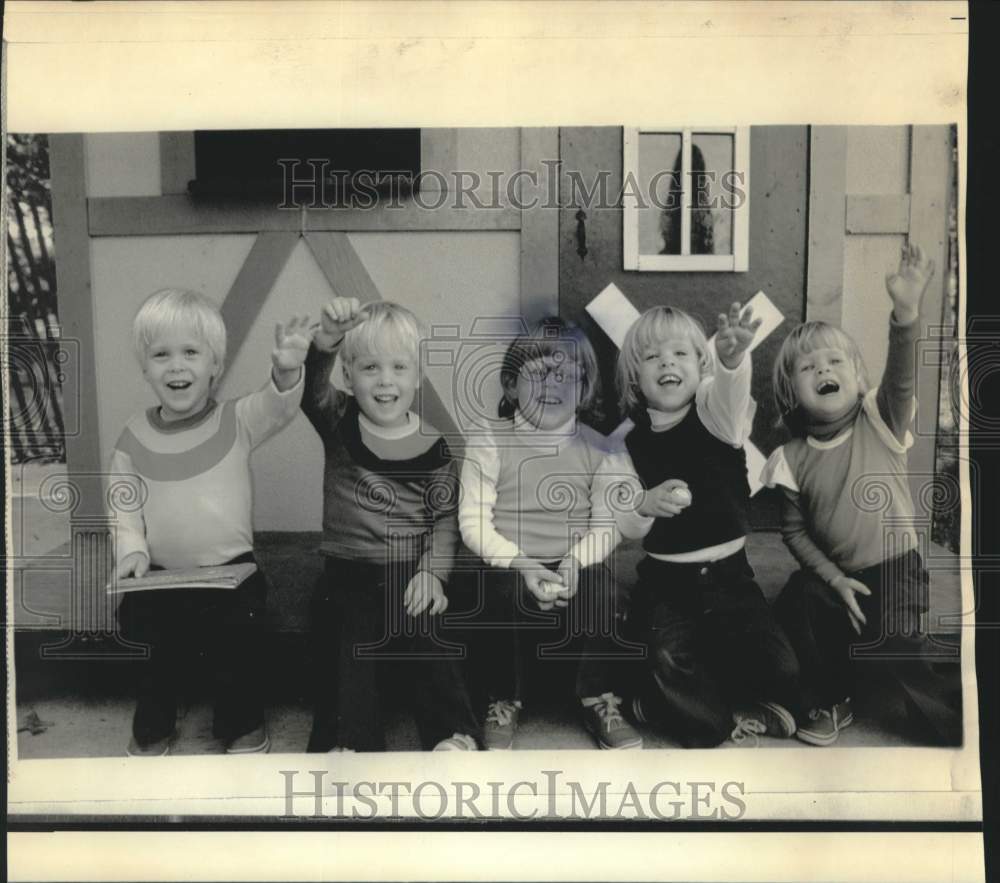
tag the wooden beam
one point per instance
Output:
(539, 225)
(882, 213)
(253, 284)
(180, 214)
(825, 258)
(177, 165)
(930, 202)
(348, 277)
(67, 165)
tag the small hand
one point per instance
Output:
(847, 589)
(291, 343)
(543, 583)
(425, 590)
(134, 564)
(569, 570)
(907, 285)
(337, 318)
(735, 334)
(662, 501)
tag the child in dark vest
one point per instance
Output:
(540, 533)
(716, 656)
(848, 519)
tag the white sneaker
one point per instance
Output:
(457, 742)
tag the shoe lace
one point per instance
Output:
(501, 712)
(607, 711)
(816, 713)
(748, 728)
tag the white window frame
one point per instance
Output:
(739, 260)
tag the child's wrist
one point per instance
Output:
(904, 316)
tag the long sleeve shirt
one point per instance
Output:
(532, 494)
(181, 492)
(846, 502)
(388, 494)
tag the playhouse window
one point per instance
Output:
(685, 199)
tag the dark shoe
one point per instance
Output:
(607, 726)
(824, 724)
(159, 748)
(254, 742)
(501, 724)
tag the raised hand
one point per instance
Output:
(291, 343)
(337, 318)
(735, 334)
(907, 285)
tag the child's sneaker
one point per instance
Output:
(159, 748)
(254, 742)
(824, 724)
(606, 724)
(501, 724)
(457, 742)
(765, 719)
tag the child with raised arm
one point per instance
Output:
(540, 529)
(189, 457)
(716, 656)
(390, 495)
(862, 579)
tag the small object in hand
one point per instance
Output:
(551, 588)
(681, 495)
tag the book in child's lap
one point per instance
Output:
(222, 576)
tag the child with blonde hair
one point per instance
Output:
(189, 457)
(863, 586)
(390, 495)
(716, 656)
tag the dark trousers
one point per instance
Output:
(506, 634)
(220, 630)
(363, 636)
(713, 645)
(835, 658)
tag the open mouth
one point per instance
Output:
(548, 400)
(669, 380)
(178, 385)
(828, 387)
(385, 398)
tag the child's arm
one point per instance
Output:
(131, 549)
(723, 400)
(795, 533)
(479, 475)
(273, 406)
(321, 403)
(906, 287)
(475, 521)
(426, 587)
(633, 508)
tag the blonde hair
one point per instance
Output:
(558, 339)
(386, 328)
(804, 339)
(651, 329)
(178, 308)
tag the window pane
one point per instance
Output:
(712, 194)
(659, 193)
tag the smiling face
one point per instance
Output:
(547, 391)
(180, 367)
(384, 386)
(826, 383)
(669, 373)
